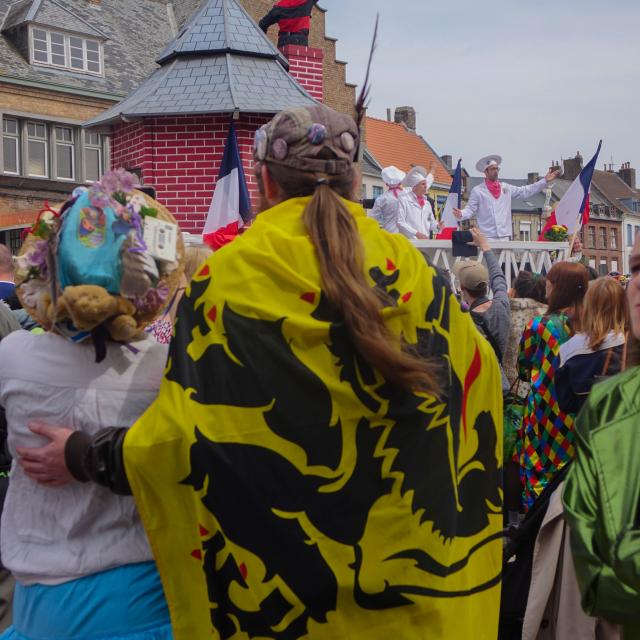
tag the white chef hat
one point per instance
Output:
(393, 176)
(488, 161)
(415, 176)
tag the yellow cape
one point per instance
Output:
(287, 490)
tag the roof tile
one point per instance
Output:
(391, 143)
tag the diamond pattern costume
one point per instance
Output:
(545, 442)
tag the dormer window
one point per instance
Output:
(66, 51)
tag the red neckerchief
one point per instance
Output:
(397, 190)
(421, 201)
(494, 187)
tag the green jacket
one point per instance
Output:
(601, 499)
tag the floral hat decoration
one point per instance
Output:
(103, 267)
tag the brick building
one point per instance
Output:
(63, 62)
(172, 129)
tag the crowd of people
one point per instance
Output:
(304, 434)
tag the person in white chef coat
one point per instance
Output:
(385, 209)
(490, 201)
(415, 215)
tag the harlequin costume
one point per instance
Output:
(294, 21)
(545, 442)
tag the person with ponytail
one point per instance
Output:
(324, 457)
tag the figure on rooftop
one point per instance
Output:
(294, 20)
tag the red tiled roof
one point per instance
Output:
(391, 143)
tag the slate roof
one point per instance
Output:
(135, 33)
(369, 165)
(221, 27)
(220, 62)
(391, 143)
(615, 189)
(49, 13)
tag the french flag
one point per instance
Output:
(230, 207)
(573, 209)
(454, 200)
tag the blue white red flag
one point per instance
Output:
(454, 200)
(230, 207)
(573, 209)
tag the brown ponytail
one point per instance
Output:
(340, 252)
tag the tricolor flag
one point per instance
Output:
(454, 200)
(230, 207)
(573, 209)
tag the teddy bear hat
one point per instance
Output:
(105, 266)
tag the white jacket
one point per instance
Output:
(385, 210)
(51, 535)
(412, 218)
(494, 215)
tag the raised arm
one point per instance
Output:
(531, 189)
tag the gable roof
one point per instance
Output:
(221, 62)
(615, 189)
(49, 13)
(391, 143)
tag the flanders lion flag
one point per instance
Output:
(287, 490)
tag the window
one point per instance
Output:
(614, 265)
(377, 191)
(62, 50)
(603, 269)
(11, 146)
(614, 239)
(52, 150)
(65, 156)
(525, 231)
(603, 237)
(93, 156)
(592, 238)
(37, 150)
(629, 235)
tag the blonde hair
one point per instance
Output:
(340, 252)
(193, 258)
(605, 310)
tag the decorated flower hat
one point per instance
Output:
(104, 266)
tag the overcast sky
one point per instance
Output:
(532, 81)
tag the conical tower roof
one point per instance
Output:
(220, 62)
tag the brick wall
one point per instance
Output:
(338, 93)
(181, 156)
(306, 66)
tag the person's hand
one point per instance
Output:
(458, 213)
(552, 175)
(46, 464)
(421, 236)
(479, 239)
(441, 224)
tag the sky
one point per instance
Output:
(531, 81)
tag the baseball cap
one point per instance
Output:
(471, 273)
(315, 138)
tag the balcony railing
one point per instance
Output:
(514, 256)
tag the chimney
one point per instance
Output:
(407, 116)
(572, 167)
(448, 161)
(628, 174)
(388, 115)
(533, 177)
(306, 65)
